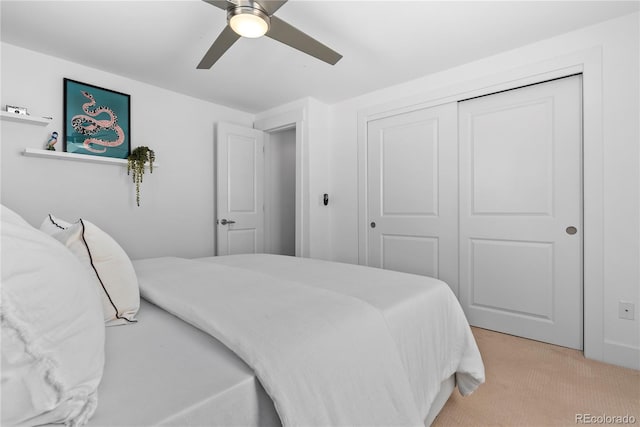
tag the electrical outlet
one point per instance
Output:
(626, 310)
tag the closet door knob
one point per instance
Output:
(373, 224)
(225, 221)
(571, 230)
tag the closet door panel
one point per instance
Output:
(521, 211)
(412, 193)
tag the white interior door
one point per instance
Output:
(521, 211)
(240, 181)
(412, 193)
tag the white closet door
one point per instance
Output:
(412, 193)
(240, 187)
(521, 211)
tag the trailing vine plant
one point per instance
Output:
(135, 166)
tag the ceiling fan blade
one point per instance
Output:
(224, 41)
(271, 6)
(222, 4)
(290, 35)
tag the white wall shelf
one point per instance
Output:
(12, 117)
(61, 155)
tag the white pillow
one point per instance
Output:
(52, 330)
(52, 225)
(108, 263)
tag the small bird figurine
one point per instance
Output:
(52, 141)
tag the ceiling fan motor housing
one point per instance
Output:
(240, 16)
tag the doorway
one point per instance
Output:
(280, 192)
(258, 190)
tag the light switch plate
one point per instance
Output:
(626, 310)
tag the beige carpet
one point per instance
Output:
(529, 383)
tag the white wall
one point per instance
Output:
(177, 204)
(176, 216)
(618, 40)
(318, 134)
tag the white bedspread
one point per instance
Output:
(423, 315)
(425, 323)
(324, 357)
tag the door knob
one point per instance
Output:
(571, 230)
(225, 221)
(373, 224)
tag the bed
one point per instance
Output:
(257, 339)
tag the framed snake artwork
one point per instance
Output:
(97, 121)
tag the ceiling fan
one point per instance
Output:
(255, 18)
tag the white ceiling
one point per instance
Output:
(383, 42)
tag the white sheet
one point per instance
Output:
(325, 358)
(425, 319)
(163, 371)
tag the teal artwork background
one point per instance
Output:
(93, 117)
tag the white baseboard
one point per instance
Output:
(622, 355)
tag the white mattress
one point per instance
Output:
(163, 371)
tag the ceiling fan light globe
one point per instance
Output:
(249, 24)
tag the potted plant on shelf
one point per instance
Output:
(135, 166)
